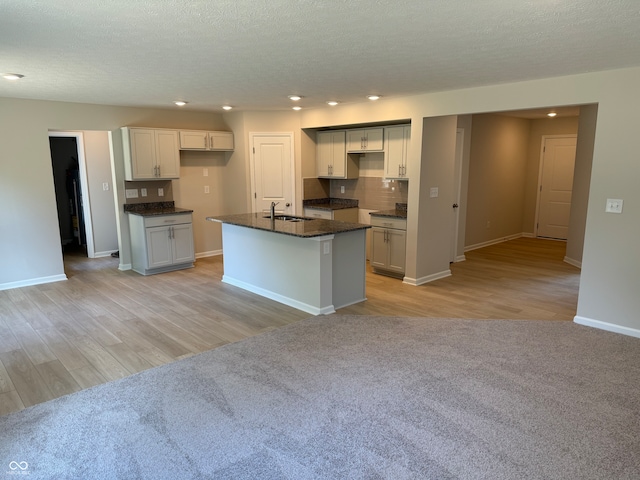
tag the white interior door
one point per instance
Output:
(556, 185)
(273, 169)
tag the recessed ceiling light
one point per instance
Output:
(180, 103)
(12, 76)
(295, 98)
(333, 103)
(297, 108)
(227, 107)
(373, 97)
(551, 114)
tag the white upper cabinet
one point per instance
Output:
(396, 150)
(331, 156)
(150, 154)
(365, 140)
(202, 140)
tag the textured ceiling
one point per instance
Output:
(252, 54)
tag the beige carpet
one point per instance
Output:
(356, 397)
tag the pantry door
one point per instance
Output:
(556, 185)
(272, 173)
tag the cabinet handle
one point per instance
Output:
(399, 170)
(159, 171)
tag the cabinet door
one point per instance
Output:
(397, 241)
(338, 155)
(143, 154)
(393, 152)
(159, 252)
(182, 243)
(323, 154)
(379, 248)
(167, 153)
(373, 139)
(365, 140)
(355, 140)
(220, 141)
(193, 140)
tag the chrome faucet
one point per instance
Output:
(273, 209)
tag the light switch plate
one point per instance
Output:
(161, 192)
(433, 192)
(143, 192)
(614, 205)
(131, 193)
(205, 172)
(206, 189)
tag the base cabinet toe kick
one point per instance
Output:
(314, 265)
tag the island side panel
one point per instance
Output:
(289, 269)
(349, 268)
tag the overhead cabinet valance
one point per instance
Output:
(202, 140)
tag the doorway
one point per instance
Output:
(70, 182)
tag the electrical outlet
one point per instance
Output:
(205, 172)
(143, 192)
(161, 192)
(131, 193)
(327, 248)
(341, 188)
(614, 205)
(105, 186)
(206, 189)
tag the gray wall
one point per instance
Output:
(581, 183)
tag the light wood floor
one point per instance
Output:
(103, 324)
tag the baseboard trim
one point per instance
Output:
(528, 235)
(493, 242)
(32, 281)
(610, 327)
(103, 254)
(124, 267)
(278, 298)
(460, 258)
(426, 279)
(212, 253)
(573, 262)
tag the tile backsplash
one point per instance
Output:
(372, 193)
(152, 191)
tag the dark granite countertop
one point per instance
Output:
(390, 213)
(330, 203)
(311, 227)
(154, 208)
(399, 212)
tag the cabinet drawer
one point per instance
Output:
(318, 213)
(163, 220)
(389, 222)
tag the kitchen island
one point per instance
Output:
(311, 264)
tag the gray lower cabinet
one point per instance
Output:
(388, 245)
(161, 243)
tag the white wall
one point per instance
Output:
(103, 213)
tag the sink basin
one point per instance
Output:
(288, 218)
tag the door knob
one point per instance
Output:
(288, 204)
